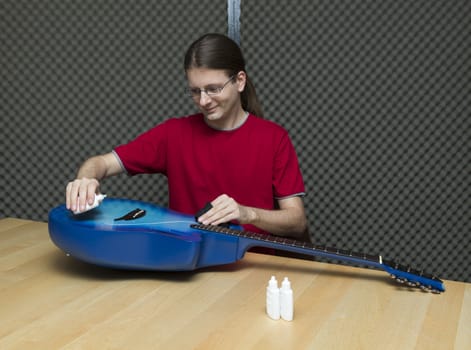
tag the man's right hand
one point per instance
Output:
(80, 192)
(83, 189)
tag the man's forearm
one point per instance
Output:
(93, 168)
(289, 222)
(99, 167)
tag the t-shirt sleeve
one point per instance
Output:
(287, 177)
(145, 154)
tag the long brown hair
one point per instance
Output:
(217, 51)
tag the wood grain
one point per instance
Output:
(51, 301)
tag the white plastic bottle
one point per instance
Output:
(273, 299)
(286, 300)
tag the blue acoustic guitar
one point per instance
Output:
(129, 234)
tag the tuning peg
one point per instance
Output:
(426, 288)
(412, 284)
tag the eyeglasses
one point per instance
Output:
(210, 91)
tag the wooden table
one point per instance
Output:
(51, 301)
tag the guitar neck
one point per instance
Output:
(253, 239)
(401, 273)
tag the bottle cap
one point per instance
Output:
(286, 284)
(273, 283)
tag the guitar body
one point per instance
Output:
(160, 240)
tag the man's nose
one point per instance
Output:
(204, 98)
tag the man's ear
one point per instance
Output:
(241, 80)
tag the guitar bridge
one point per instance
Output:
(132, 215)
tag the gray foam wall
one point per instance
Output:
(375, 95)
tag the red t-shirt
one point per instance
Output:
(254, 164)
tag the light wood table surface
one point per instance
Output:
(51, 301)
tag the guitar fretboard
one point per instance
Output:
(288, 242)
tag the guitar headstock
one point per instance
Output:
(413, 278)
